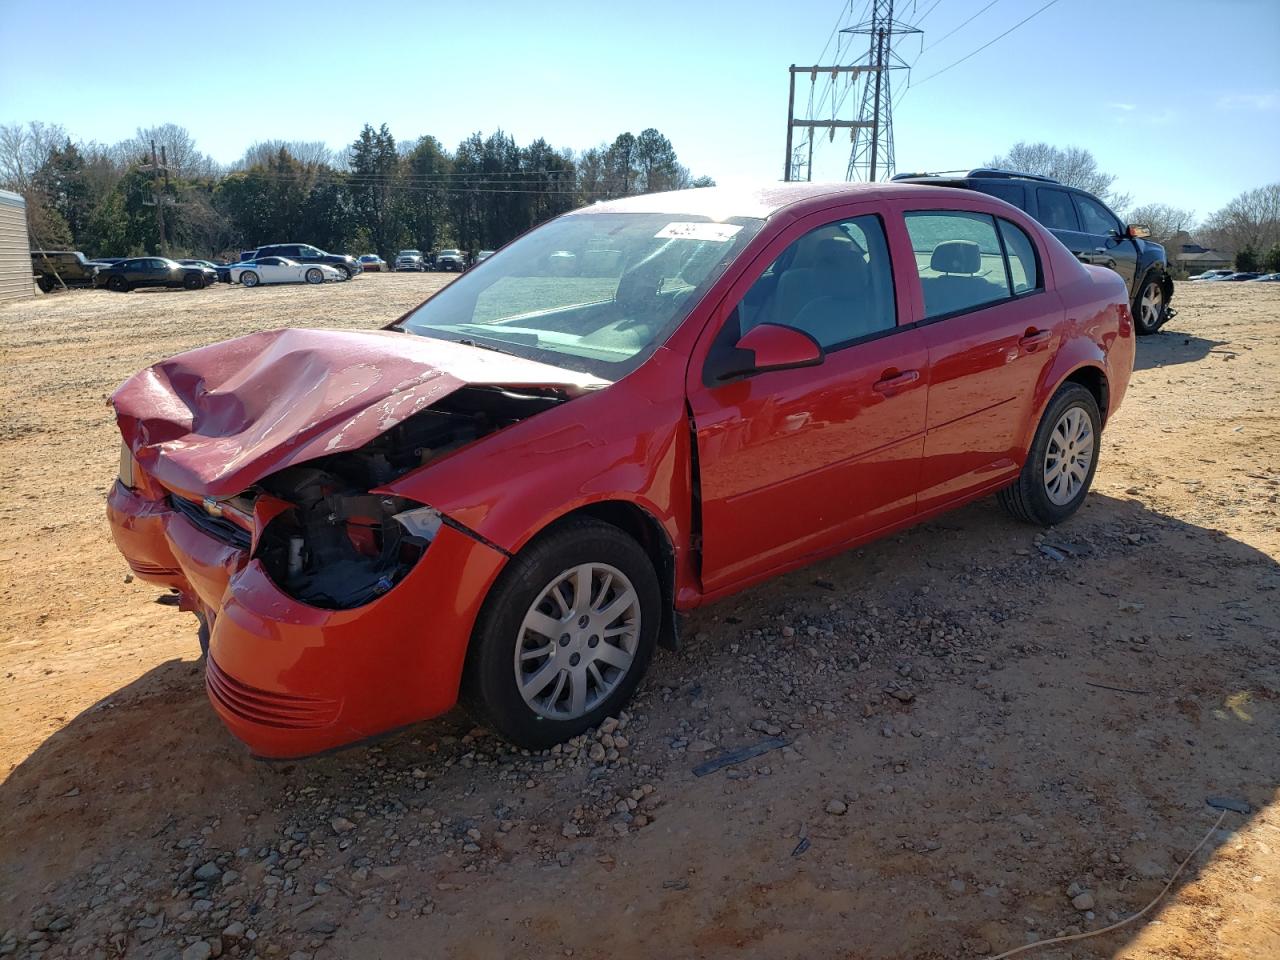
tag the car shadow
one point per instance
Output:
(1167, 348)
(1130, 635)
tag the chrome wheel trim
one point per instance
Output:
(1069, 456)
(249, 279)
(314, 276)
(577, 641)
(1151, 303)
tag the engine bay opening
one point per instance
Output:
(339, 546)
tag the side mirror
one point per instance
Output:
(767, 347)
(1137, 231)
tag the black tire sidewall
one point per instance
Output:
(192, 282)
(252, 283)
(490, 682)
(1043, 509)
(316, 273)
(1147, 281)
(118, 285)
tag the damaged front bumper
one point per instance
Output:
(290, 679)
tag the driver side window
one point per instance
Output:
(834, 283)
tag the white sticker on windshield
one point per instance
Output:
(687, 230)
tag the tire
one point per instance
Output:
(1149, 306)
(192, 282)
(550, 710)
(314, 275)
(249, 279)
(118, 284)
(44, 283)
(1042, 495)
(346, 272)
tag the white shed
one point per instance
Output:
(15, 253)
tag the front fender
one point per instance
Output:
(628, 442)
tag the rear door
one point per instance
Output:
(1056, 210)
(794, 462)
(1112, 246)
(991, 327)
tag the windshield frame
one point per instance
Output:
(609, 370)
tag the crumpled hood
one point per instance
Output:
(214, 421)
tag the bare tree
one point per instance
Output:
(185, 160)
(1250, 221)
(25, 149)
(314, 153)
(1164, 221)
(1072, 166)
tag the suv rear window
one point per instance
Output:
(1056, 211)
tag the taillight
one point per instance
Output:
(127, 465)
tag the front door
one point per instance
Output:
(1111, 246)
(793, 462)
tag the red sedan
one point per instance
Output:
(632, 410)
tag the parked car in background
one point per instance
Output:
(1087, 227)
(1240, 276)
(546, 469)
(410, 260)
(482, 256)
(1211, 275)
(138, 272)
(1267, 278)
(453, 261)
(304, 253)
(223, 270)
(53, 269)
(372, 263)
(282, 270)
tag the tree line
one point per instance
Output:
(377, 195)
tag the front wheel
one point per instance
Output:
(315, 275)
(193, 281)
(346, 272)
(565, 635)
(118, 284)
(249, 279)
(1148, 308)
(1060, 465)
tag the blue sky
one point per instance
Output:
(1180, 99)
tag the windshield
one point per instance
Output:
(596, 292)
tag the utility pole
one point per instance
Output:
(812, 123)
(872, 155)
(159, 200)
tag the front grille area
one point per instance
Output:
(217, 527)
(283, 710)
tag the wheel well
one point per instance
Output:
(644, 528)
(1095, 381)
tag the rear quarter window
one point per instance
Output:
(1014, 193)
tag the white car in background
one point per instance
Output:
(250, 273)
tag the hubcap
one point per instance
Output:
(578, 641)
(1070, 454)
(1150, 305)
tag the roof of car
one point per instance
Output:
(760, 201)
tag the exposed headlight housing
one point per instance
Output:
(127, 463)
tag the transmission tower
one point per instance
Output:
(797, 166)
(872, 152)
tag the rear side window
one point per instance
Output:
(1024, 270)
(1014, 193)
(1056, 211)
(1094, 217)
(959, 259)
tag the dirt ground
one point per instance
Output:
(993, 735)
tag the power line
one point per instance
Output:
(920, 19)
(989, 42)
(962, 25)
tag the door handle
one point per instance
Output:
(1033, 340)
(891, 382)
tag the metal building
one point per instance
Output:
(15, 252)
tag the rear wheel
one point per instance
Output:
(565, 635)
(1148, 307)
(1060, 465)
(44, 283)
(249, 278)
(315, 275)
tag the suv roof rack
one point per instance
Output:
(995, 174)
